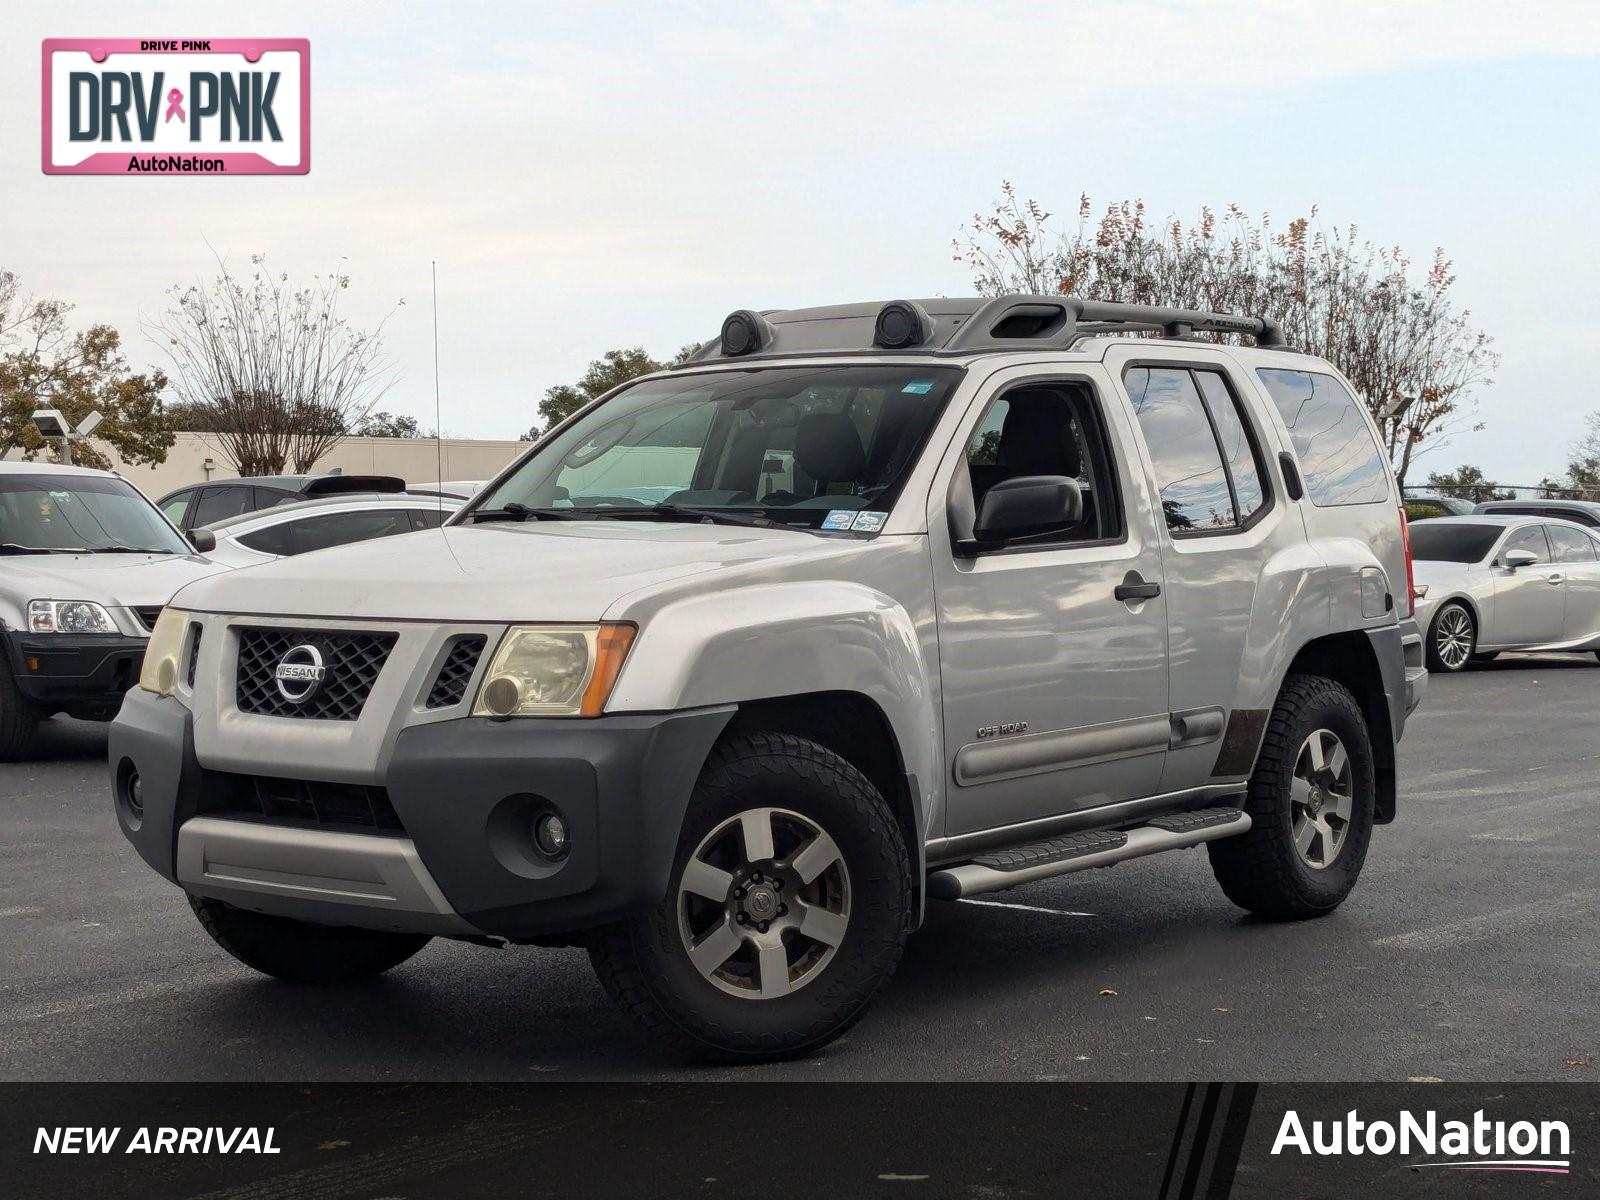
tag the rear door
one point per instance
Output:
(1575, 555)
(1530, 603)
(1054, 690)
(1222, 522)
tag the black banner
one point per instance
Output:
(777, 1140)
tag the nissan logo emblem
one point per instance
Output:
(300, 673)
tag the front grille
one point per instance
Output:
(299, 801)
(148, 615)
(351, 662)
(450, 686)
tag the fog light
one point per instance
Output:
(136, 794)
(901, 324)
(744, 332)
(550, 832)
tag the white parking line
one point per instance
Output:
(1055, 912)
(1487, 925)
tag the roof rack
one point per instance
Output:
(970, 325)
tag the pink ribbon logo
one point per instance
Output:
(175, 105)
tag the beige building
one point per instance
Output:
(195, 457)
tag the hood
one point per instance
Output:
(115, 580)
(497, 573)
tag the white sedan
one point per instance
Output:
(289, 529)
(1485, 584)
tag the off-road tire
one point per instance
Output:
(642, 962)
(19, 718)
(1436, 662)
(299, 952)
(1261, 870)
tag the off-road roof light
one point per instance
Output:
(901, 323)
(744, 332)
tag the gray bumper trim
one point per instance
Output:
(377, 882)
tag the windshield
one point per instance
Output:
(1437, 541)
(81, 512)
(815, 447)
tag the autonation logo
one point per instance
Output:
(1476, 1145)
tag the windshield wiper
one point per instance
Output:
(13, 548)
(129, 550)
(521, 512)
(716, 516)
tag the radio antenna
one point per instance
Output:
(438, 423)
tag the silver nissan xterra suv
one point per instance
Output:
(738, 665)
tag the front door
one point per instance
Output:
(1575, 555)
(1530, 603)
(1054, 689)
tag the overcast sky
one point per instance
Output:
(591, 176)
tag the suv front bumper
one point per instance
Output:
(81, 672)
(466, 794)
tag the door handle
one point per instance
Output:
(1134, 587)
(1554, 577)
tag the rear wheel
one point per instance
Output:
(1311, 805)
(19, 717)
(1452, 639)
(790, 903)
(300, 952)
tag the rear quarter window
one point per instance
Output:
(1339, 459)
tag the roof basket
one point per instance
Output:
(968, 325)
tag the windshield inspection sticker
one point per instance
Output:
(920, 387)
(869, 522)
(839, 518)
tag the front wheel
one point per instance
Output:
(1311, 803)
(789, 907)
(19, 718)
(1452, 639)
(300, 952)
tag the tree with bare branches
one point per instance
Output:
(1395, 332)
(270, 370)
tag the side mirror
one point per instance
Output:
(202, 540)
(1512, 559)
(1029, 504)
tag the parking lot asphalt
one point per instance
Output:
(1469, 950)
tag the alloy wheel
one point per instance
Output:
(1321, 799)
(1453, 637)
(764, 903)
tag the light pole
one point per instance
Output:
(51, 424)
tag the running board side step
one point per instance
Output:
(1081, 851)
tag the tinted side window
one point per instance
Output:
(339, 529)
(1570, 545)
(427, 518)
(1237, 451)
(274, 539)
(1530, 538)
(1190, 477)
(220, 503)
(1339, 459)
(175, 507)
(1048, 430)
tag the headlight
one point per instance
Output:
(160, 671)
(69, 616)
(553, 671)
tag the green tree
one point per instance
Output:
(45, 363)
(1582, 480)
(1394, 331)
(1468, 483)
(388, 425)
(611, 370)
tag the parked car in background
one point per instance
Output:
(86, 564)
(1583, 512)
(289, 529)
(1426, 506)
(1490, 583)
(461, 489)
(220, 499)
